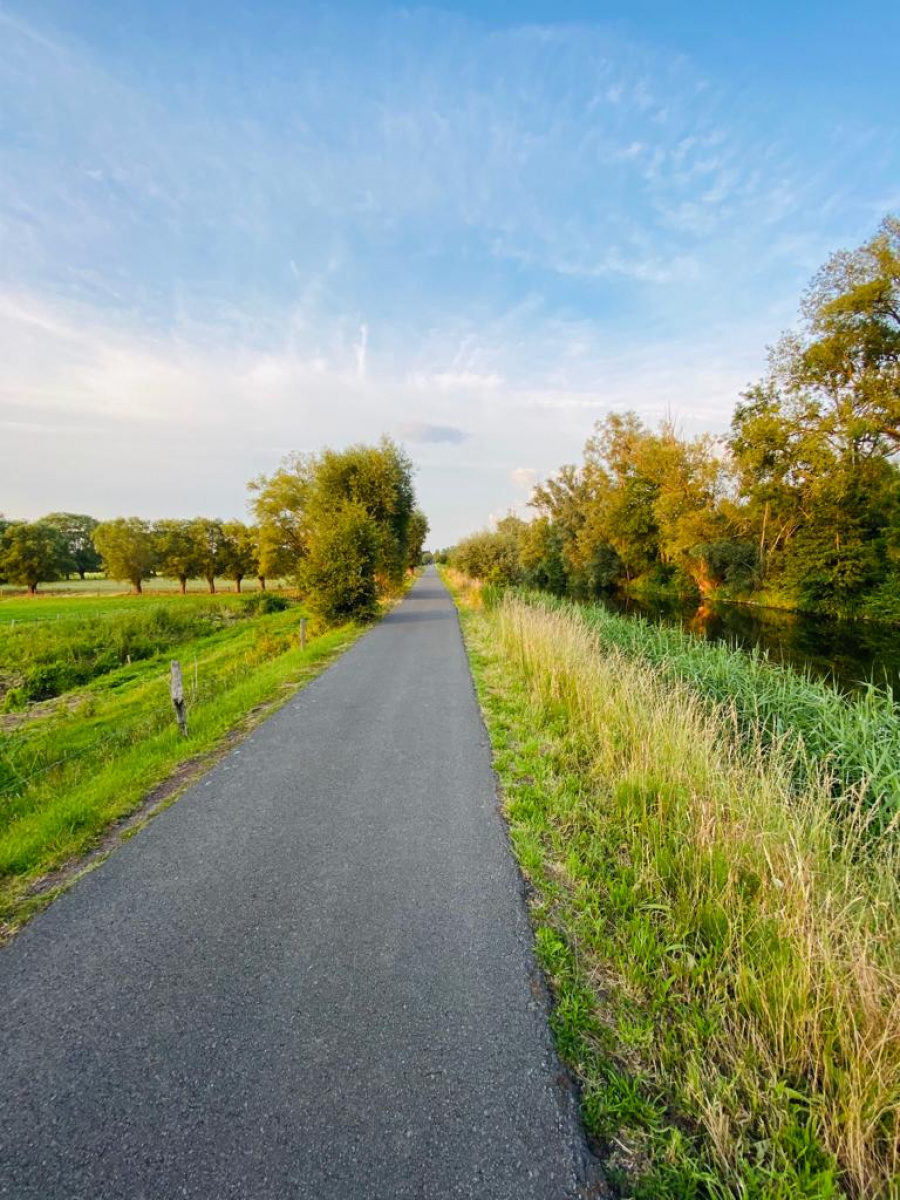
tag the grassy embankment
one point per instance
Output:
(89, 728)
(720, 921)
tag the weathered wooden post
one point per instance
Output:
(176, 688)
(302, 633)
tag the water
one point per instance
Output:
(848, 653)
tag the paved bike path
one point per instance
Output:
(311, 977)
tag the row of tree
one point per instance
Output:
(343, 525)
(800, 499)
(129, 549)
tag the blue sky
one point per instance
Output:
(228, 231)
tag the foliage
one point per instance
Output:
(344, 523)
(176, 551)
(239, 556)
(493, 556)
(128, 549)
(32, 553)
(417, 532)
(802, 498)
(208, 538)
(77, 530)
(339, 568)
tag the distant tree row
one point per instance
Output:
(800, 502)
(128, 548)
(343, 525)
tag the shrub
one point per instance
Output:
(263, 603)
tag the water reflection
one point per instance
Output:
(849, 653)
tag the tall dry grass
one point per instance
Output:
(774, 921)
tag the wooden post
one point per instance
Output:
(302, 633)
(176, 688)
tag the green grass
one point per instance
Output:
(69, 769)
(723, 943)
(855, 738)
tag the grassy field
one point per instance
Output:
(721, 933)
(87, 727)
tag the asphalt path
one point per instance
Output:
(311, 977)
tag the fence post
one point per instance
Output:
(176, 689)
(302, 633)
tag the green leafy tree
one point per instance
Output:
(493, 556)
(280, 504)
(128, 549)
(77, 530)
(239, 553)
(315, 501)
(417, 532)
(32, 553)
(209, 548)
(339, 568)
(177, 551)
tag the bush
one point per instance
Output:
(263, 603)
(47, 680)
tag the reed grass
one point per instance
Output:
(854, 738)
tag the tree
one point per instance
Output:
(238, 554)
(280, 503)
(177, 551)
(209, 548)
(849, 355)
(32, 553)
(314, 501)
(379, 478)
(417, 532)
(339, 568)
(77, 530)
(493, 556)
(128, 550)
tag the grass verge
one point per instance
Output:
(724, 950)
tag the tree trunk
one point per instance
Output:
(212, 585)
(32, 589)
(182, 580)
(262, 582)
(137, 587)
(81, 575)
(237, 583)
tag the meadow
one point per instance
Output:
(87, 728)
(713, 857)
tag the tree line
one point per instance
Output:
(798, 504)
(342, 525)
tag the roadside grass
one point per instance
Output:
(855, 738)
(724, 948)
(66, 773)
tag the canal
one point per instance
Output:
(848, 653)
